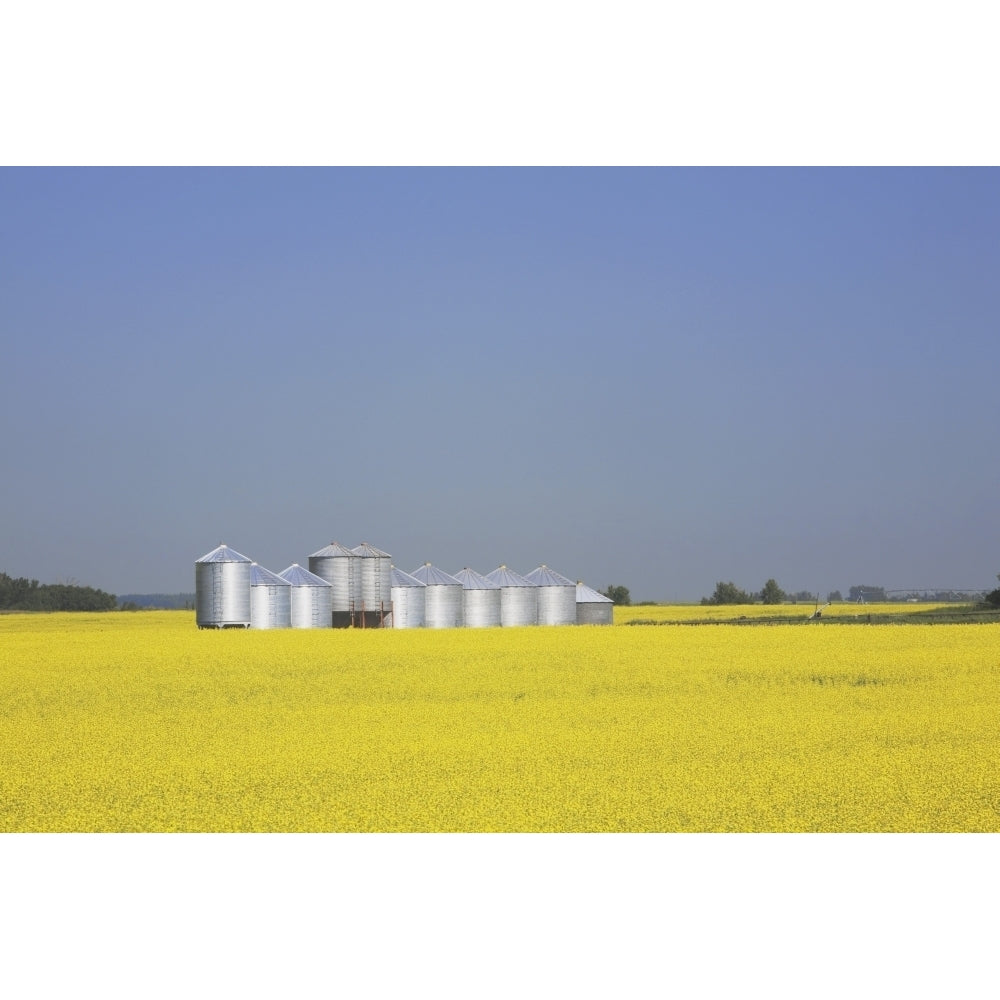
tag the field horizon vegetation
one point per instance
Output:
(142, 722)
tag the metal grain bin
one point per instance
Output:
(442, 597)
(222, 589)
(409, 600)
(311, 597)
(337, 564)
(270, 599)
(372, 584)
(556, 597)
(480, 599)
(518, 597)
(593, 608)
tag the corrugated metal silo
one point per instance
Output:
(480, 599)
(372, 584)
(270, 599)
(310, 600)
(409, 600)
(593, 608)
(556, 597)
(337, 564)
(518, 597)
(222, 589)
(442, 597)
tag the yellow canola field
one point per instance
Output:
(141, 722)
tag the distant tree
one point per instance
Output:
(26, 595)
(993, 597)
(834, 595)
(802, 595)
(619, 595)
(772, 593)
(728, 593)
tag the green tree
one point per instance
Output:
(993, 597)
(772, 593)
(619, 595)
(728, 593)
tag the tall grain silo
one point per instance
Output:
(442, 597)
(480, 599)
(518, 597)
(222, 589)
(593, 608)
(337, 564)
(372, 585)
(311, 597)
(270, 599)
(556, 597)
(409, 600)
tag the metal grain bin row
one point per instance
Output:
(360, 586)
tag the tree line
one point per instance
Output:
(22, 594)
(771, 593)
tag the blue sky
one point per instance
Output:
(661, 378)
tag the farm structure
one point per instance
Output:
(556, 597)
(360, 588)
(443, 597)
(409, 600)
(222, 589)
(270, 599)
(311, 602)
(593, 608)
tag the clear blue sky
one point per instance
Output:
(661, 378)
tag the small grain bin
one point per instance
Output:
(442, 597)
(409, 600)
(222, 589)
(337, 564)
(518, 597)
(593, 608)
(372, 585)
(270, 599)
(556, 597)
(310, 600)
(480, 599)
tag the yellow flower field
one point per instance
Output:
(141, 722)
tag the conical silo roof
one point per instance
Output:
(587, 595)
(504, 577)
(431, 576)
(366, 551)
(260, 577)
(223, 554)
(545, 577)
(471, 580)
(299, 577)
(401, 579)
(332, 551)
